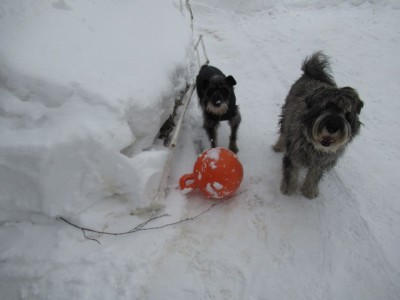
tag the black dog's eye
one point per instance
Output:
(210, 92)
(224, 92)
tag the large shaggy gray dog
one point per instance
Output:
(318, 121)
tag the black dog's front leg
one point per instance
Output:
(211, 128)
(234, 123)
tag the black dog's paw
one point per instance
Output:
(233, 147)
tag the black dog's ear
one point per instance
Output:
(205, 83)
(231, 80)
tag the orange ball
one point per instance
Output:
(217, 173)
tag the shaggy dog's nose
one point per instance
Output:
(333, 124)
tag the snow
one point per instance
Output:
(217, 186)
(84, 91)
(84, 88)
(186, 190)
(213, 154)
(211, 191)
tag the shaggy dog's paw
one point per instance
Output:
(287, 189)
(310, 192)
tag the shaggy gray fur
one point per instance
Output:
(318, 120)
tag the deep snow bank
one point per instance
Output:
(256, 5)
(81, 81)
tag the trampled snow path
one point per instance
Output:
(260, 244)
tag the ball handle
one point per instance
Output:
(187, 182)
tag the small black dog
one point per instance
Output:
(318, 121)
(218, 102)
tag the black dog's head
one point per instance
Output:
(215, 90)
(218, 93)
(332, 117)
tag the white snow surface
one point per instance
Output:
(84, 87)
(81, 82)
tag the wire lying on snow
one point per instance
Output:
(140, 227)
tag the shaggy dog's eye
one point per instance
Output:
(331, 106)
(349, 116)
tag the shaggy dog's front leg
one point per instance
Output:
(290, 176)
(310, 185)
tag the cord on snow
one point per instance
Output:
(139, 227)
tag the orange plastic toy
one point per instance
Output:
(217, 173)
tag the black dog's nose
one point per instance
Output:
(217, 102)
(333, 124)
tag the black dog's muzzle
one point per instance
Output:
(218, 99)
(218, 96)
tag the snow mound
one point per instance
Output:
(80, 84)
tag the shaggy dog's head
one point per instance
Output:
(331, 118)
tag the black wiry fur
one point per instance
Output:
(218, 102)
(318, 120)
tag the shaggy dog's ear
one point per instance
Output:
(355, 99)
(359, 105)
(231, 80)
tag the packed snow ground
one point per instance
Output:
(258, 244)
